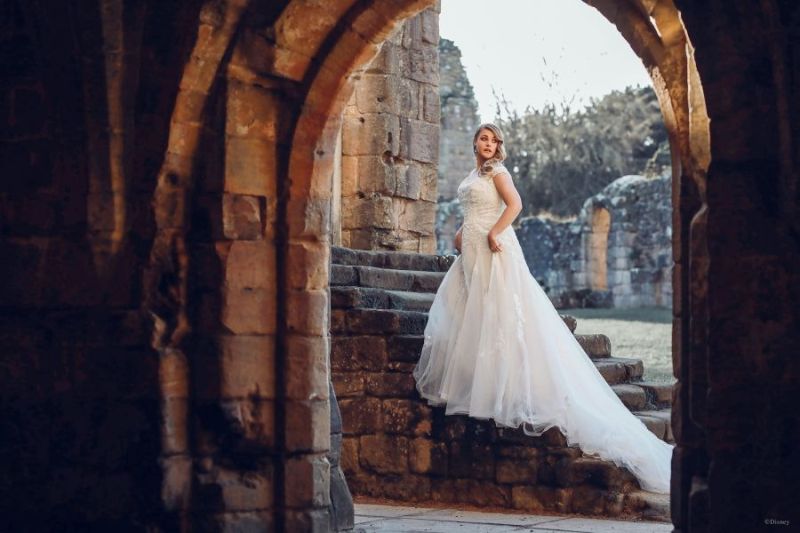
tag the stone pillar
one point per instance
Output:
(390, 144)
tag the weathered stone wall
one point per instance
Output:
(390, 143)
(618, 251)
(459, 120)
(456, 160)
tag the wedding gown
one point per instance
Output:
(495, 347)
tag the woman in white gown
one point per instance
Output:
(495, 347)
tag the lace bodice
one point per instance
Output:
(482, 205)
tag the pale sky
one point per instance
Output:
(539, 51)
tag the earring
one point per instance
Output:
(474, 149)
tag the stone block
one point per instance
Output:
(470, 491)
(390, 384)
(307, 481)
(516, 470)
(538, 499)
(409, 181)
(429, 27)
(372, 173)
(237, 367)
(374, 321)
(595, 345)
(308, 425)
(248, 311)
(417, 216)
(427, 457)
(422, 65)
(308, 217)
(430, 186)
(467, 460)
(405, 348)
(308, 264)
(224, 489)
(348, 384)
(250, 422)
(370, 134)
(349, 457)
(387, 61)
(410, 99)
(243, 217)
(308, 312)
(251, 265)
(633, 396)
(377, 93)
(407, 417)
(255, 112)
(384, 454)
(360, 415)
(307, 368)
(250, 167)
(431, 109)
(358, 353)
(591, 500)
(419, 141)
(174, 425)
(373, 211)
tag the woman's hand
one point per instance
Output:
(457, 241)
(494, 244)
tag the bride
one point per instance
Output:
(495, 347)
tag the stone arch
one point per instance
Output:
(655, 33)
(297, 74)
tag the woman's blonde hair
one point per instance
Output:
(500, 154)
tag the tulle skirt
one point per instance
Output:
(496, 348)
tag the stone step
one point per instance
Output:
(659, 421)
(631, 395)
(385, 278)
(570, 321)
(649, 505)
(391, 260)
(595, 345)
(659, 394)
(617, 370)
(371, 298)
(377, 322)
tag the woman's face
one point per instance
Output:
(486, 144)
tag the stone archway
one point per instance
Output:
(296, 84)
(657, 36)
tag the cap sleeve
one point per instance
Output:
(497, 168)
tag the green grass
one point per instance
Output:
(643, 333)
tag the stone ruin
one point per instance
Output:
(165, 229)
(616, 253)
(459, 120)
(385, 182)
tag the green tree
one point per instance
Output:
(560, 157)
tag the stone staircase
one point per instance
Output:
(389, 293)
(402, 285)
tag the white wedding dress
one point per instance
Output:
(495, 347)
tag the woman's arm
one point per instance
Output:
(505, 186)
(457, 239)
